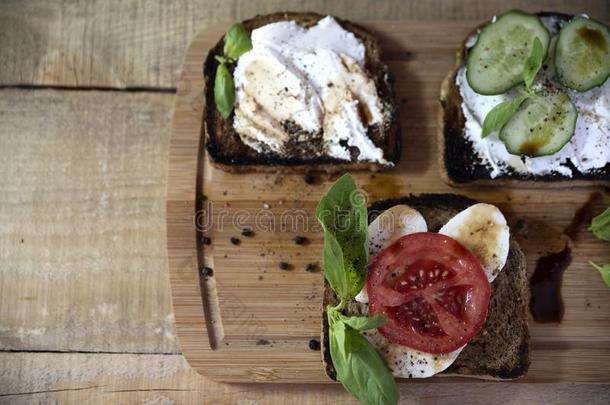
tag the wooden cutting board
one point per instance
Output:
(252, 321)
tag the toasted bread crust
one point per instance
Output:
(501, 350)
(229, 153)
(457, 160)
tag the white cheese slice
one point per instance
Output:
(483, 230)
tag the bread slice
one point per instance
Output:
(458, 161)
(229, 153)
(501, 350)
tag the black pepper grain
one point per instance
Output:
(285, 266)
(309, 178)
(235, 241)
(247, 232)
(311, 267)
(207, 271)
(314, 344)
(300, 240)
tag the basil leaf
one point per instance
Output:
(359, 367)
(600, 225)
(237, 41)
(604, 271)
(340, 276)
(500, 114)
(533, 63)
(222, 59)
(363, 322)
(343, 215)
(224, 91)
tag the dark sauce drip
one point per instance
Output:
(593, 37)
(531, 148)
(546, 304)
(381, 186)
(582, 216)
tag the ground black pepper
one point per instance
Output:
(314, 344)
(247, 232)
(300, 240)
(285, 266)
(311, 267)
(207, 271)
(309, 178)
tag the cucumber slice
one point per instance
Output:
(495, 63)
(582, 55)
(542, 125)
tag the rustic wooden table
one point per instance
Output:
(86, 98)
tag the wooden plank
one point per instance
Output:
(82, 235)
(71, 378)
(131, 44)
(259, 318)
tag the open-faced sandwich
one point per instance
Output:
(419, 286)
(292, 92)
(529, 103)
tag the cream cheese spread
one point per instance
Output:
(588, 150)
(305, 91)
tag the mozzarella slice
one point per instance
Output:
(392, 224)
(483, 230)
(389, 226)
(405, 362)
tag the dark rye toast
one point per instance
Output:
(459, 164)
(501, 350)
(229, 153)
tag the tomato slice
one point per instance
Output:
(432, 290)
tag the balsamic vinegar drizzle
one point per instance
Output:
(546, 304)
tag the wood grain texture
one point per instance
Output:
(72, 378)
(82, 249)
(136, 43)
(259, 318)
(128, 44)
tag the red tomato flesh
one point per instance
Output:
(432, 290)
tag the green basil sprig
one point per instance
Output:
(224, 90)
(236, 43)
(358, 365)
(501, 113)
(343, 215)
(533, 63)
(600, 226)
